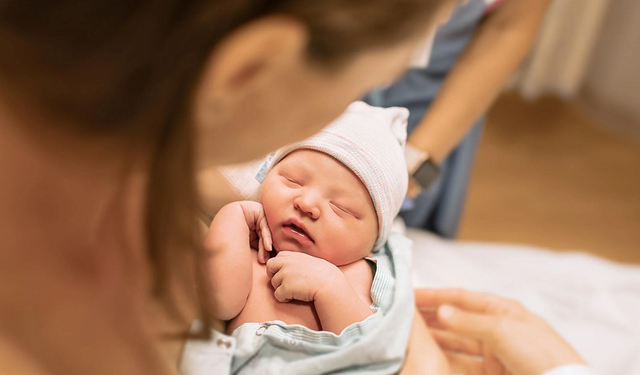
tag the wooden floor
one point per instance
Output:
(547, 175)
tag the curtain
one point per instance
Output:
(560, 56)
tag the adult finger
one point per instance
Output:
(431, 319)
(464, 364)
(491, 364)
(469, 324)
(455, 343)
(472, 365)
(427, 298)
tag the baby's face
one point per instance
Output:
(316, 205)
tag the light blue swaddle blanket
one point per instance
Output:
(376, 345)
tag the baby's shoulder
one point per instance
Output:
(359, 268)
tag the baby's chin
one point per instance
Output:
(279, 246)
(287, 247)
(283, 245)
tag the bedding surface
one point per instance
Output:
(593, 303)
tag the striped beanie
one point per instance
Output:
(370, 142)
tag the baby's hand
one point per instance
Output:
(260, 235)
(300, 277)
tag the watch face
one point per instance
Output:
(426, 174)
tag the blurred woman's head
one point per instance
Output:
(214, 80)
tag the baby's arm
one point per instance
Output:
(338, 302)
(340, 307)
(227, 260)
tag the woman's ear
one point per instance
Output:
(258, 51)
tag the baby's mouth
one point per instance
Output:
(299, 231)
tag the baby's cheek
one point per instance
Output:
(269, 209)
(349, 250)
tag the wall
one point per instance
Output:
(613, 77)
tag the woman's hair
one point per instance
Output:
(130, 67)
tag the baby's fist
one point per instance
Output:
(299, 276)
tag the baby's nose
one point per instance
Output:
(307, 205)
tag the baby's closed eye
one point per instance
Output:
(342, 209)
(291, 181)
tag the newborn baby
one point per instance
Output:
(322, 223)
(299, 256)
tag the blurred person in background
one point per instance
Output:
(104, 108)
(474, 52)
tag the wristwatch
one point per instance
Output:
(422, 170)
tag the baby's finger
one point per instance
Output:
(261, 253)
(277, 279)
(266, 238)
(274, 265)
(265, 232)
(281, 294)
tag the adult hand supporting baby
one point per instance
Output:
(482, 333)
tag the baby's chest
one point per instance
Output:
(262, 306)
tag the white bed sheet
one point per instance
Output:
(593, 303)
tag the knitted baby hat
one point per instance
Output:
(370, 142)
